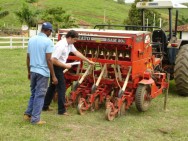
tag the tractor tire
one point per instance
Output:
(180, 71)
(142, 98)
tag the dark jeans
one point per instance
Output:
(38, 86)
(61, 89)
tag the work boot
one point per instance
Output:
(65, 114)
(27, 117)
(47, 109)
(40, 122)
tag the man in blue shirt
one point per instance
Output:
(39, 67)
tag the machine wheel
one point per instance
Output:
(108, 114)
(116, 106)
(122, 109)
(142, 98)
(78, 99)
(180, 71)
(80, 108)
(96, 103)
(76, 102)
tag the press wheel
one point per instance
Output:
(108, 115)
(80, 108)
(96, 103)
(122, 109)
(78, 98)
(75, 103)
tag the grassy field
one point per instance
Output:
(153, 125)
(91, 11)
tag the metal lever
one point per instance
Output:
(125, 83)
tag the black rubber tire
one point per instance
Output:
(181, 71)
(142, 97)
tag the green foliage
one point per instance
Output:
(135, 16)
(3, 13)
(27, 16)
(53, 15)
(31, 1)
(90, 11)
(183, 20)
(68, 21)
(121, 1)
(59, 18)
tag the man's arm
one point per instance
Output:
(28, 65)
(50, 66)
(81, 56)
(58, 63)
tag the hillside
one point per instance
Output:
(90, 11)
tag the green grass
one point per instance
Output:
(153, 125)
(91, 11)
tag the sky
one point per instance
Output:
(179, 1)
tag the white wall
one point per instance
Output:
(34, 32)
(185, 35)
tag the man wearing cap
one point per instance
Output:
(39, 66)
(59, 59)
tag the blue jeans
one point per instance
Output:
(38, 86)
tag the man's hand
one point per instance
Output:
(68, 66)
(91, 62)
(55, 81)
(28, 76)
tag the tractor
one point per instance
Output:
(174, 50)
(167, 46)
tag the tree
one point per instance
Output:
(3, 13)
(31, 1)
(59, 18)
(183, 21)
(135, 16)
(27, 16)
(121, 1)
(68, 21)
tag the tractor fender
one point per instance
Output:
(183, 42)
(146, 81)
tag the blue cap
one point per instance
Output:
(47, 25)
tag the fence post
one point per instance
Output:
(23, 42)
(11, 42)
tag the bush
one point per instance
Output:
(31, 1)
